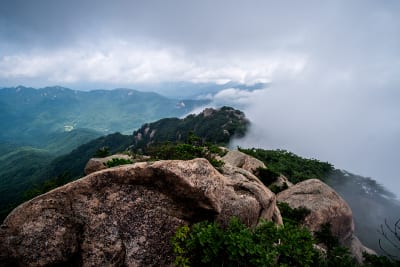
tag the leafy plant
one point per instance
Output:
(207, 244)
(292, 215)
(295, 168)
(117, 162)
(102, 152)
(186, 151)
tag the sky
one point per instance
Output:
(332, 67)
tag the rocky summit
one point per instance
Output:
(127, 215)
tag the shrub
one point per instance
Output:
(207, 244)
(117, 161)
(295, 168)
(267, 176)
(102, 152)
(292, 215)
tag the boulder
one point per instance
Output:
(325, 204)
(357, 248)
(249, 187)
(97, 164)
(127, 215)
(243, 161)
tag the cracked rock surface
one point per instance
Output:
(127, 215)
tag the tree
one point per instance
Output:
(390, 244)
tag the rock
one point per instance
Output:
(242, 160)
(97, 164)
(249, 187)
(281, 181)
(325, 204)
(127, 215)
(357, 248)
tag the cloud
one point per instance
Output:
(124, 63)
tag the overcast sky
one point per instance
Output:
(334, 66)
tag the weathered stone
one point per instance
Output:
(325, 204)
(242, 160)
(97, 164)
(281, 181)
(127, 215)
(357, 248)
(249, 187)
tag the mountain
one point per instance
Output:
(38, 125)
(225, 122)
(215, 126)
(31, 116)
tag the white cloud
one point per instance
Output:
(123, 63)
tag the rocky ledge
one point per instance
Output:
(126, 215)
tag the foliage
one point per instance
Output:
(295, 168)
(336, 255)
(207, 244)
(278, 188)
(50, 109)
(21, 168)
(117, 162)
(381, 261)
(292, 215)
(102, 152)
(325, 236)
(391, 236)
(216, 128)
(46, 186)
(185, 151)
(267, 175)
(75, 161)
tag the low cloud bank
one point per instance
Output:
(354, 131)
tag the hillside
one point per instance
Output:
(38, 125)
(227, 122)
(215, 126)
(31, 116)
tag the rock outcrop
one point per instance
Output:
(241, 160)
(97, 164)
(127, 215)
(326, 206)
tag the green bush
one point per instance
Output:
(295, 168)
(207, 244)
(292, 215)
(267, 175)
(102, 152)
(184, 151)
(117, 162)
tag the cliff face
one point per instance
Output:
(213, 125)
(128, 214)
